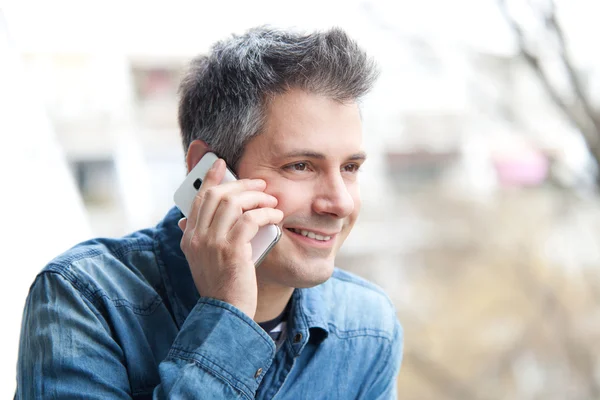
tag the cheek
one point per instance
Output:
(290, 195)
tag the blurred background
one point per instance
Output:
(481, 212)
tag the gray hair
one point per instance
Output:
(224, 94)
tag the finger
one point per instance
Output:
(232, 206)
(212, 178)
(248, 224)
(208, 201)
(214, 175)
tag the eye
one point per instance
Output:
(352, 168)
(299, 167)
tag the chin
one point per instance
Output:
(296, 273)
(315, 279)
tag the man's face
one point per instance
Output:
(309, 154)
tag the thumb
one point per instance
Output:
(182, 223)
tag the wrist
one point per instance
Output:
(248, 308)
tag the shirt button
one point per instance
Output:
(297, 338)
(258, 372)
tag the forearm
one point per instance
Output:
(220, 353)
(67, 350)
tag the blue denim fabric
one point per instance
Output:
(121, 319)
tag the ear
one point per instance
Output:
(196, 151)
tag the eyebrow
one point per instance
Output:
(320, 156)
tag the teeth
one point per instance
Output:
(310, 234)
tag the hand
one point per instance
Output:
(216, 237)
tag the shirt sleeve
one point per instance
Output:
(384, 386)
(66, 351)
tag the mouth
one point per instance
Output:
(318, 236)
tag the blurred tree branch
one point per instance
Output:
(550, 305)
(576, 104)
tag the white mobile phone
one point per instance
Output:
(265, 238)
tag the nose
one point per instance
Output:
(333, 197)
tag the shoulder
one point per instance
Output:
(117, 248)
(357, 305)
(115, 269)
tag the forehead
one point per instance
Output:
(297, 119)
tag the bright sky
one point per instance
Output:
(184, 26)
(187, 27)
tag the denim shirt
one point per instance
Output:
(121, 319)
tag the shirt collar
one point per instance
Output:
(308, 314)
(311, 309)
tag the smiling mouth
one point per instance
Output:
(310, 235)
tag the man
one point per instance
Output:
(180, 311)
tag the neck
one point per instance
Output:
(272, 300)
